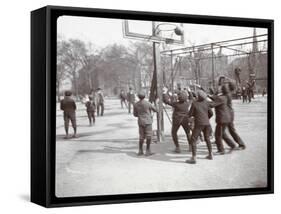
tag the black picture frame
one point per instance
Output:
(43, 104)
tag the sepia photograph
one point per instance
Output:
(151, 107)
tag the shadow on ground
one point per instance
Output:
(162, 151)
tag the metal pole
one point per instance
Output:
(219, 42)
(159, 81)
(172, 72)
(213, 69)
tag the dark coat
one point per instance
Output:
(142, 110)
(229, 105)
(223, 114)
(131, 97)
(68, 105)
(122, 96)
(180, 108)
(201, 112)
(90, 106)
(99, 98)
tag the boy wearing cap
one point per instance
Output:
(69, 107)
(122, 97)
(223, 120)
(180, 118)
(142, 110)
(201, 112)
(131, 99)
(91, 108)
(100, 102)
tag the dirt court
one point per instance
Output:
(102, 160)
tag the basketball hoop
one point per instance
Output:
(169, 27)
(170, 33)
(166, 27)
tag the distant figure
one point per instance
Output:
(248, 92)
(68, 106)
(239, 93)
(91, 108)
(250, 87)
(142, 110)
(264, 92)
(92, 94)
(100, 102)
(244, 94)
(130, 99)
(122, 97)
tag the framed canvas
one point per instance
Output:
(131, 106)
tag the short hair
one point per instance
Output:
(220, 79)
(67, 93)
(141, 95)
(201, 94)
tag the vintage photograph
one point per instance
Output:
(149, 106)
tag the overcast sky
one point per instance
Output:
(102, 32)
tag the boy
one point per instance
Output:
(131, 99)
(244, 94)
(201, 112)
(180, 118)
(223, 120)
(69, 107)
(142, 110)
(122, 97)
(90, 108)
(100, 102)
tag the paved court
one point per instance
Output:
(103, 160)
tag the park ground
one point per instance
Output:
(102, 160)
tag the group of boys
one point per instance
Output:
(189, 108)
(198, 108)
(247, 91)
(94, 101)
(127, 99)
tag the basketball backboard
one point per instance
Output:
(168, 32)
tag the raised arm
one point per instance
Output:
(167, 100)
(191, 111)
(153, 108)
(217, 101)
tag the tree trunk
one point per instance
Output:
(75, 87)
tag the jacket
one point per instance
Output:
(223, 114)
(180, 108)
(68, 104)
(201, 112)
(142, 110)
